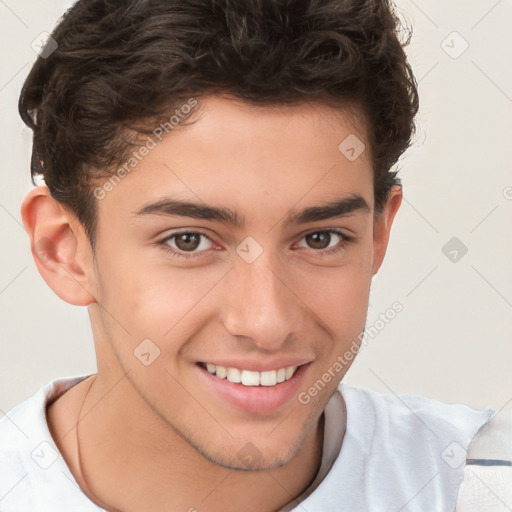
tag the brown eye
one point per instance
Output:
(319, 240)
(187, 241)
(327, 242)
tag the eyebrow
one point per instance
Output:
(342, 207)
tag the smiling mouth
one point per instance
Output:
(248, 377)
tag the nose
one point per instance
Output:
(261, 304)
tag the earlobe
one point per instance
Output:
(382, 226)
(61, 250)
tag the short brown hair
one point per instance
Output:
(122, 64)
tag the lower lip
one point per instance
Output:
(258, 399)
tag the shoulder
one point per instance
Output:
(410, 442)
(398, 451)
(30, 463)
(418, 416)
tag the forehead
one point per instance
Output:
(288, 130)
(253, 159)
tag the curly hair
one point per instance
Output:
(122, 65)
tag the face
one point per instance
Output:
(266, 279)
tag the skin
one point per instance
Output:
(146, 431)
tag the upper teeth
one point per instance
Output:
(250, 378)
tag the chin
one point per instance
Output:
(249, 457)
(259, 463)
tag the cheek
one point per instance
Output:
(156, 300)
(339, 295)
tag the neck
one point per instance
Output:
(129, 458)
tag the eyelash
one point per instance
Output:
(345, 240)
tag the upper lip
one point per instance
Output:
(258, 366)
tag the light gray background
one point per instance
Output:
(452, 341)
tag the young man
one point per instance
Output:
(218, 194)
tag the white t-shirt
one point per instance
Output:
(399, 453)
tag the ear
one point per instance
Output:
(60, 247)
(382, 226)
